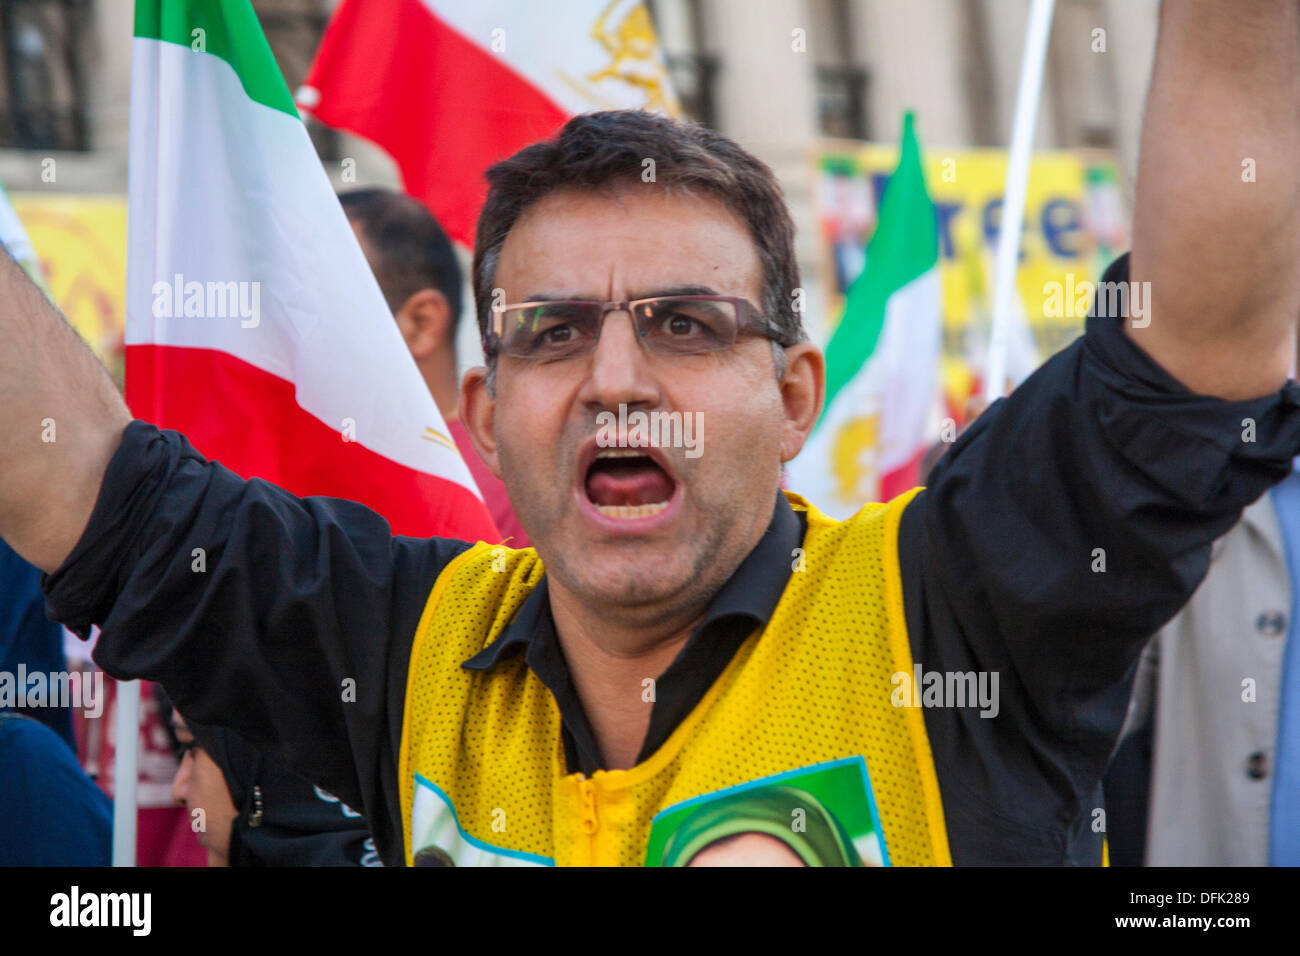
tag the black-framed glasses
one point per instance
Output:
(666, 325)
(185, 748)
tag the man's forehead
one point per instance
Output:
(628, 243)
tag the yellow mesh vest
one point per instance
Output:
(482, 761)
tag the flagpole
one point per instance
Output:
(126, 762)
(1013, 205)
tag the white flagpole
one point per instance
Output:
(126, 774)
(1013, 205)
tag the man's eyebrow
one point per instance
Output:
(557, 297)
(655, 293)
(676, 290)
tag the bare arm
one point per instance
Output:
(1221, 252)
(48, 488)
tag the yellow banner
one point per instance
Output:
(1075, 224)
(81, 243)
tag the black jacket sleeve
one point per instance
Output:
(1069, 523)
(286, 619)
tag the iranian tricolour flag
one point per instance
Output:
(448, 87)
(254, 325)
(882, 359)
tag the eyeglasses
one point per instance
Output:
(666, 325)
(185, 748)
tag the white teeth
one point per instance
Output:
(632, 511)
(620, 453)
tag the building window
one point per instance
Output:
(841, 101)
(693, 71)
(841, 81)
(43, 53)
(693, 76)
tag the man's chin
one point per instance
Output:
(625, 575)
(665, 567)
(634, 586)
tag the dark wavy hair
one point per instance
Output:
(599, 150)
(410, 247)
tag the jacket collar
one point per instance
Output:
(753, 591)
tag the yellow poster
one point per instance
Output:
(1075, 224)
(81, 243)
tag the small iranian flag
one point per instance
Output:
(448, 87)
(254, 325)
(882, 360)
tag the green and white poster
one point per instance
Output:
(823, 815)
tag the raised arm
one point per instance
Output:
(1217, 218)
(1075, 517)
(287, 619)
(63, 418)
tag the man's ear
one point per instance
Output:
(803, 390)
(423, 320)
(477, 414)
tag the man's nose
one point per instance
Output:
(620, 374)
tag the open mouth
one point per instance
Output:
(627, 483)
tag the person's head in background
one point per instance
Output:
(201, 786)
(416, 267)
(256, 811)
